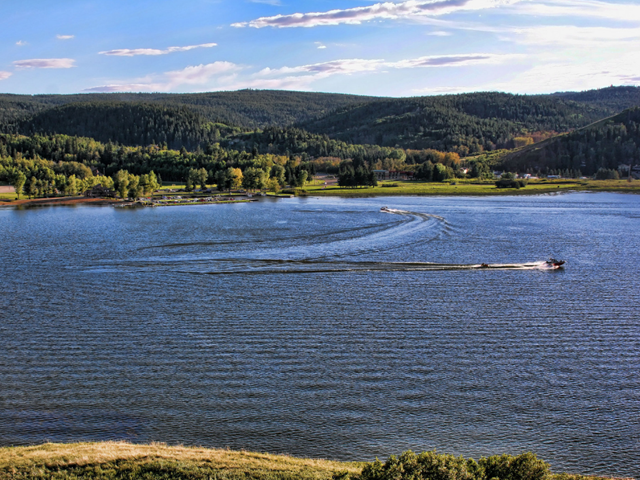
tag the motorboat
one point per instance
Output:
(552, 262)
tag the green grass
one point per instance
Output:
(465, 187)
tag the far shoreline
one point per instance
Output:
(395, 189)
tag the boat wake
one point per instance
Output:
(335, 250)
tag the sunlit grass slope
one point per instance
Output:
(155, 461)
(121, 460)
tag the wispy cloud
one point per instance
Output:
(5, 75)
(45, 63)
(570, 35)
(441, 90)
(65, 37)
(194, 75)
(321, 46)
(200, 74)
(386, 10)
(131, 52)
(21, 43)
(619, 11)
(355, 65)
(439, 33)
(551, 73)
(126, 87)
(226, 75)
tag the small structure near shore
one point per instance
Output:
(98, 191)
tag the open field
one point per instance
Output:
(111, 460)
(467, 188)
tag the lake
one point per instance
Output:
(322, 327)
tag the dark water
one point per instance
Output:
(314, 327)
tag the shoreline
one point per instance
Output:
(402, 189)
(61, 201)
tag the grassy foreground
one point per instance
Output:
(121, 460)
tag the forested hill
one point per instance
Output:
(603, 145)
(128, 123)
(614, 99)
(243, 108)
(467, 123)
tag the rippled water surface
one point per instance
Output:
(326, 328)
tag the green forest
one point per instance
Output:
(65, 144)
(604, 145)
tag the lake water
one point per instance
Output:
(315, 327)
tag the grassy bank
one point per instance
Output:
(469, 188)
(120, 460)
(111, 460)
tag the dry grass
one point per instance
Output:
(54, 457)
(121, 460)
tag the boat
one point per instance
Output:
(385, 209)
(553, 263)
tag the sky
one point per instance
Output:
(394, 48)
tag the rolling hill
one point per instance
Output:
(605, 144)
(467, 123)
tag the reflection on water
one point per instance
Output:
(326, 328)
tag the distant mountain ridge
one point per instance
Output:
(467, 124)
(242, 108)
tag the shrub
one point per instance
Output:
(426, 466)
(507, 467)
(510, 183)
(434, 466)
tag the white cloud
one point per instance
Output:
(570, 35)
(386, 10)
(21, 43)
(131, 87)
(620, 11)
(225, 75)
(321, 46)
(195, 75)
(441, 90)
(45, 63)
(439, 33)
(418, 10)
(452, 60)
(130, 52)
(200, 74)
(65, 37)
(552, 73)
(5, 75)
(356, 65)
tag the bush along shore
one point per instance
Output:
(120, 460)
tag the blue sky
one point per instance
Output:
(400, 48)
